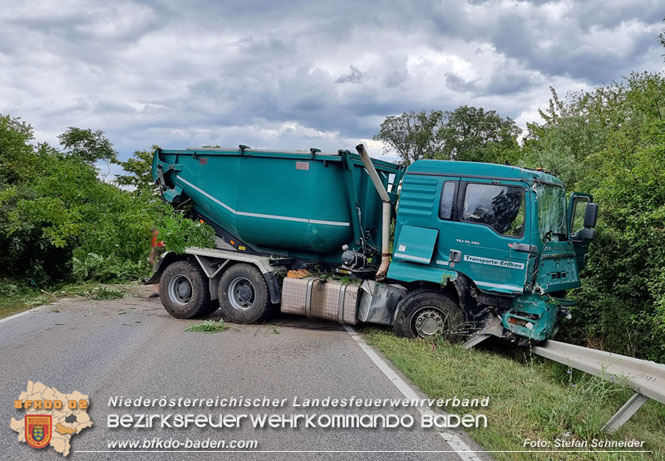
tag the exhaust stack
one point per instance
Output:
(387, 207)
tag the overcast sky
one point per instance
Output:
(299, 74)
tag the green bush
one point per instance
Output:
(610, 142)
(59, 220)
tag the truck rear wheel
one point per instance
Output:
(429, 313)
(243, 294)
(183, 290)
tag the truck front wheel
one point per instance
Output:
(243, 294)
(183, 290)
(429, 313)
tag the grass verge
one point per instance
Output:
(15, 297)
(530, 398)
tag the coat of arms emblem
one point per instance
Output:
(38, 430)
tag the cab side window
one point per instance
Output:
(579, 209)
(447, 200)
(500, 207)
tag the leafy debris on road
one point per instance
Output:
(209, 326)
(102, 292)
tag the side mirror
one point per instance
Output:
(590, 215)
(586, 234)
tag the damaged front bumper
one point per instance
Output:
(536, 316)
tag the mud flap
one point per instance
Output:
(274, 287)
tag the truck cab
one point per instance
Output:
(502, 242)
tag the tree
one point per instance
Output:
(139, 167)
(661, 37)
(610, 142)
(572, 129)
(15, 150)
(413, 134)
(467, 133)
(58, 220)
(473, 134)
(90, 146)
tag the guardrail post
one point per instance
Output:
(625, 412)
(646, 378)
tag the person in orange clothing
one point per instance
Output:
(156, 246)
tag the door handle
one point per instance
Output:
(455, 256)
(523, 247)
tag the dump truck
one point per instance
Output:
(479, 249)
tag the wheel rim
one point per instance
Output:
(241, 293)
(180, 289)
(429, 322)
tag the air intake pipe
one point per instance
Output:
(387, 207)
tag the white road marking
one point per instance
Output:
(21, 314)
(455, 442)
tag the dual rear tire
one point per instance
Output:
(242, 293)
(184, 292)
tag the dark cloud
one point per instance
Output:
(299, 74)
(355, 75)
(592, 41)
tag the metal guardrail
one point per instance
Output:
(646, 378)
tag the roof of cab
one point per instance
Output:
(476, 170)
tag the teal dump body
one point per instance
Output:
(294, 204)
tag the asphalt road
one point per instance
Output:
(133, 348)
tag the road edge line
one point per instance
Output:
(455, 441)
(21, 314)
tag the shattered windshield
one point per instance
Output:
(551, 212)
